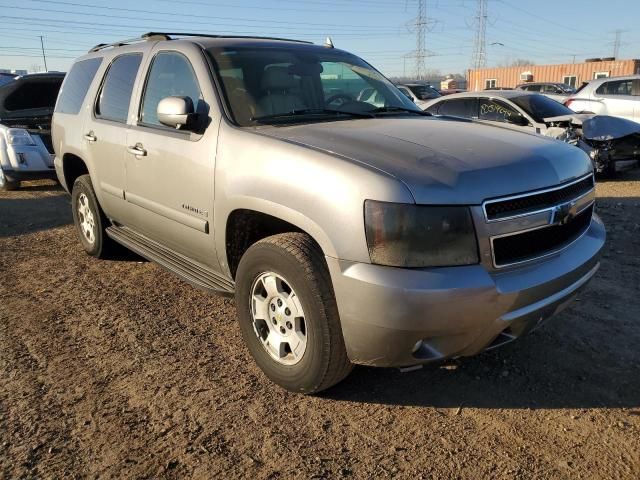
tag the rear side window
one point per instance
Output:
(76, 85)
(462, 107)
(170, 75)
(619, 87)
(115, 95)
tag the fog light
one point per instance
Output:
(417, 346)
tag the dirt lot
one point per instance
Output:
(116, 369)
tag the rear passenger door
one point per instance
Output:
(104, 133)
(170, 172)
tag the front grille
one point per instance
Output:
(496, 210)
(537, 243)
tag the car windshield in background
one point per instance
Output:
(424, 92)
(286, 85)
(5, 79)
(541, 107)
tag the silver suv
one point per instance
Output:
(618, 97)
(349, 232)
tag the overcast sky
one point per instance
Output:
(543, 31)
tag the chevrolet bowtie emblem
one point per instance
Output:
(563, 214)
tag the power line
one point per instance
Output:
(616, 43)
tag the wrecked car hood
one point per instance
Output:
(442, 160)
(602, 128)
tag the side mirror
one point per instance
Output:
(519, 120)
(176, 112)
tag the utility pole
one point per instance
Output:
(44, 56)
(616, 44)
(479, 59)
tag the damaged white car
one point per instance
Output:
(612, 143)
(26, 108)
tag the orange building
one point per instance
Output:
(573, 74)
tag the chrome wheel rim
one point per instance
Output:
(86, 220)
(278, 319)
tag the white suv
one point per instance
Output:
(619, 97)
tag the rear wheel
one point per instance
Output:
(89, 219)
(6, 184)
(288, 314)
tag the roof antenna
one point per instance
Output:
(328, 43)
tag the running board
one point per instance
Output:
(195, 273)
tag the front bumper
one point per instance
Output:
(454, 311)
(21, 175)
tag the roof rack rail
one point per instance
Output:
(120, 43)
(207, 35)
(149, 36)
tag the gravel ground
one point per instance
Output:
(116, 369)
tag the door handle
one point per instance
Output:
(137, 150)
(90, 137)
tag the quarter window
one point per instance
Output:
(170, 75)
(115, 95)
(76, 84)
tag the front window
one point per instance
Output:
(496, 111)
(302, 83)
(540, 107)
(171, 75)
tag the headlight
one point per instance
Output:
(18, 136)
(405, 235)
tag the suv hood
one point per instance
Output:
(445, 161)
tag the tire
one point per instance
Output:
(298, 261)
(89, 217)
(7, 185)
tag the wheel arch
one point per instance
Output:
(246, 225)
(72, 167)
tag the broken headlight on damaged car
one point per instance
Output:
(407, 235)
(19, 136)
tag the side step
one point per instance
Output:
(195, 273)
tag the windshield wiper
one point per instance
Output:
(310, 111)
(400, 109)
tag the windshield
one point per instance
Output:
(424, 92)
(541, 107)
(288, 84)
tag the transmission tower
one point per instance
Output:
(616, 44)
(421, 49)
(479, 59)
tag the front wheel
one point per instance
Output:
(288, 314)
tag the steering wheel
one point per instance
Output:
(339, 96)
